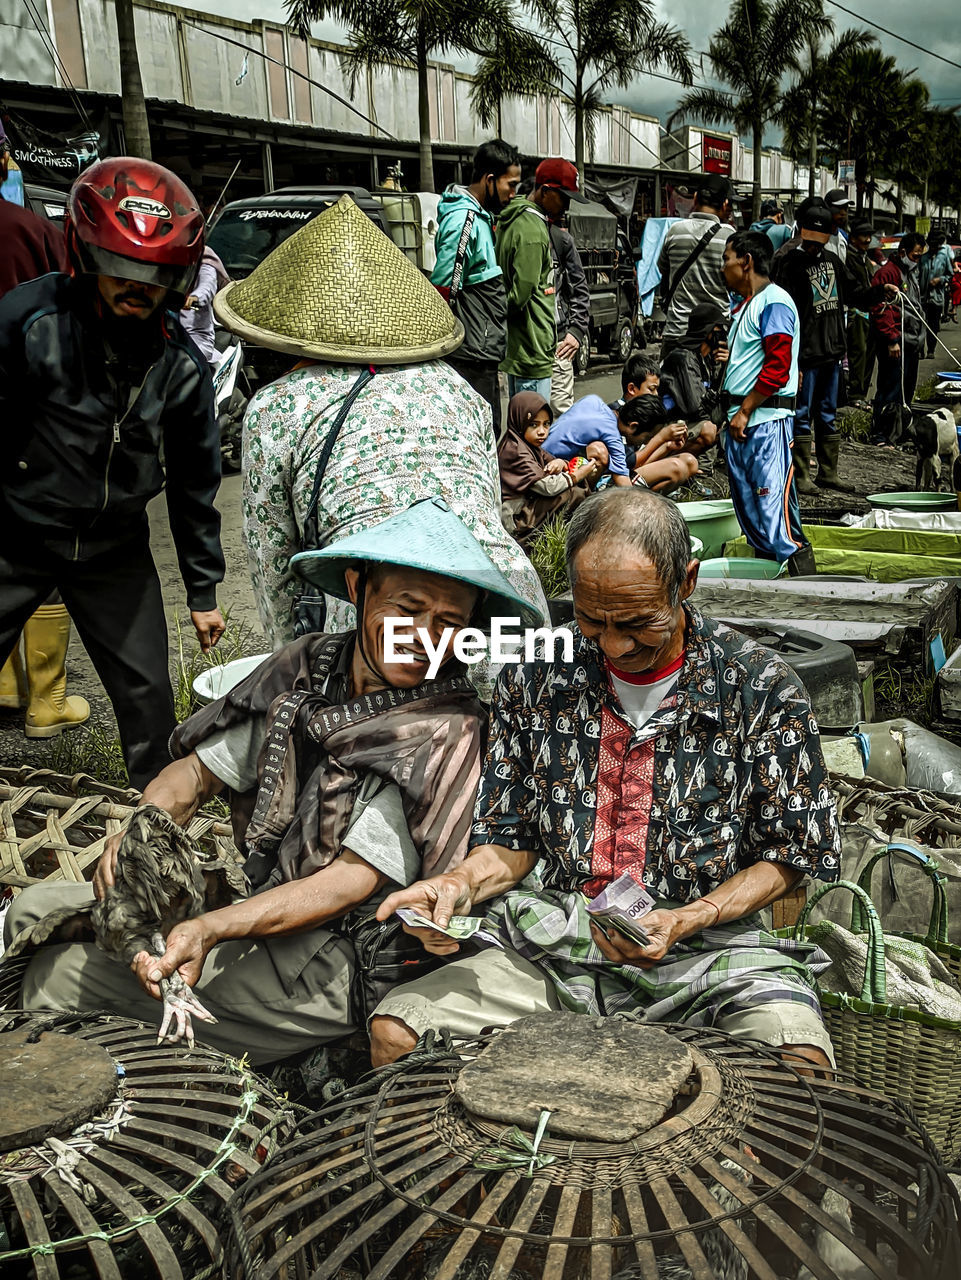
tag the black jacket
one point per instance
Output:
(687, 389)
(84, 424)
(821, 286)
(572, 293)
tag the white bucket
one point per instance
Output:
(218, 680)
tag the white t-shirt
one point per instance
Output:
(640, 696)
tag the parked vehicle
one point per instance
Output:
(247, 230)
(231, 393)
(608, 261)
(46, 202)
(411, 218)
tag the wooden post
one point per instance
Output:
(785, 912)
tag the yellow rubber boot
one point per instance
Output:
(45, 640)
(13, 683)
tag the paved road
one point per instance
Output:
(235, 594)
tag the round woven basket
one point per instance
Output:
(137, 1190)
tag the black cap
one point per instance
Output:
(704, 319)
(862, 229)
(770, 207)
(809, 202)
(838, 198)
(816, 218)
(720, 188)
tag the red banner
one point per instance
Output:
(716, 154)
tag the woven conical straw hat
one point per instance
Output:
(340, 290)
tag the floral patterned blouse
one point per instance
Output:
(417, 431)
(727, 773)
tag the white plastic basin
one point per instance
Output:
(216, 681)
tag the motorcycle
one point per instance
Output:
(231, 393)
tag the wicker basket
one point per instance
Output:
(54, 828)
(901, 1052)
(936, 938)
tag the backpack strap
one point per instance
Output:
(459, 257)
(688, 262)
(331, 440)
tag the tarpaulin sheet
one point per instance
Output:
(885, 555)
(902, 542)
(648, 276)
(592, 226)
(926, 521)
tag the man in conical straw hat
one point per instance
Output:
(351, 765)
(360, 321)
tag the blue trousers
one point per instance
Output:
(761, 473)
(541, 385)
(817, 401)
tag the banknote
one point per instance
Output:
(460, 928)
(624, 903)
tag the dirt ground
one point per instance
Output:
(868, 469)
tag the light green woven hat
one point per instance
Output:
(427, 536)
(340, 290)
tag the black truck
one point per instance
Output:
(608, 261)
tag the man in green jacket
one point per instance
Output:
(524, 254)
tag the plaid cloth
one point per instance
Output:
(715, 972)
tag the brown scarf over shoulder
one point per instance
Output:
(318, 751)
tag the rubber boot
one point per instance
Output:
(45, 639)
(801, 564)
(828, 448)
(802, 466)
(13, 683)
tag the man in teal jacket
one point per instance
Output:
(524, 253)
(477, 295)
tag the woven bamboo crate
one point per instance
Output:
(54, 827)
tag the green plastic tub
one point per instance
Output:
(713, 523)
(884, 555)
(912, 501)
(740, 567)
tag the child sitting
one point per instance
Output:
(535, 485)
(632, 440)
(661, 459)
(590, 423)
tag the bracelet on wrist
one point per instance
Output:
(712, 903)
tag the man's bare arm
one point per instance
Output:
(748, 891)
(288, 908)
(303, 904)
(179, 789)
(487, 871)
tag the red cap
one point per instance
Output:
(557, 173)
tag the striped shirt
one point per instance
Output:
(703, 281)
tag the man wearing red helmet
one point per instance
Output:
(100, 381)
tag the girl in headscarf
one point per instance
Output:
(534, 484)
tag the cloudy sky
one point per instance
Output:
(935, 26)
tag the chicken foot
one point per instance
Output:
(181, 1006)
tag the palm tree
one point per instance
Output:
(941, 179)
(133, 108)
(601, 43)
(874, 127)
(750, 54)
(813, 93)
(410, 32)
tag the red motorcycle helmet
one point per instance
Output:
(135, 220)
